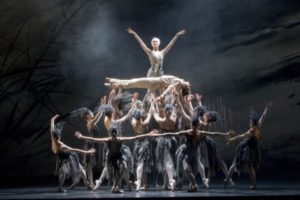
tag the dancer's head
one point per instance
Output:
(195, 122)
(168, 109)
(199, 111)
(114, 130)
(155, 42)
(137, 114)
(108, 110)
(88, 114)
(211, 116)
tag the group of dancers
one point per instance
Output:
(170, 130)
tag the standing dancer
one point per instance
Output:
(70, 166)
(116, 163)
(247, 153)
(190, 155)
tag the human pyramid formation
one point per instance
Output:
(180, 147)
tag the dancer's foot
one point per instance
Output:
(61, 190)
(252, 187)
(89, 186)
(138, 185)
(206, 183)
(228, 183)
(193, 188)
(129, 184)
(172, 184)
(117, 190)
(143, 188)
(98, 183)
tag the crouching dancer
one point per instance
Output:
(69, 166)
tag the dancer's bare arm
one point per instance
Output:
(140, 41)
(172, 42)
(80, 136)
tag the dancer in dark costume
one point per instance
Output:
(210, 154)
(117, 163)
(190, 156)
(247, 153)
(156, 56)
(166, 147)
(141, 149)
(89, 161)
(70, 166)
(109, 119)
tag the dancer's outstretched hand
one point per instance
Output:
(270, 104)
(181, 32)
(154, 132)
(92, 151)
(78, 134)
(229, 136)
(129, 30)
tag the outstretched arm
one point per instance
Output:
(64, 146)
(241, 136)
(172, 42)
(183, 132)
(80, 136)
(140, 41)
(215, 133)
(263, 116)
(153, 133)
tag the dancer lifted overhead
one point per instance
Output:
(155, 56)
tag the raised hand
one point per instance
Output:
(270, 104)
(198, 96)
(129, 30)
(181, 32)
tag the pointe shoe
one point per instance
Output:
(193, 188)
(143, 188)
(98, 183)
(172, 184)
(117, 190)
(229, 183)
(138, 185)
(206, 183)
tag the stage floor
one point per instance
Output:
(270, 190)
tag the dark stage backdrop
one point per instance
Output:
(55, 55)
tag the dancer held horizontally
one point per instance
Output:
(156, 56)
(68, 159)
(247, 154)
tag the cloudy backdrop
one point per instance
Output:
(55, 55)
